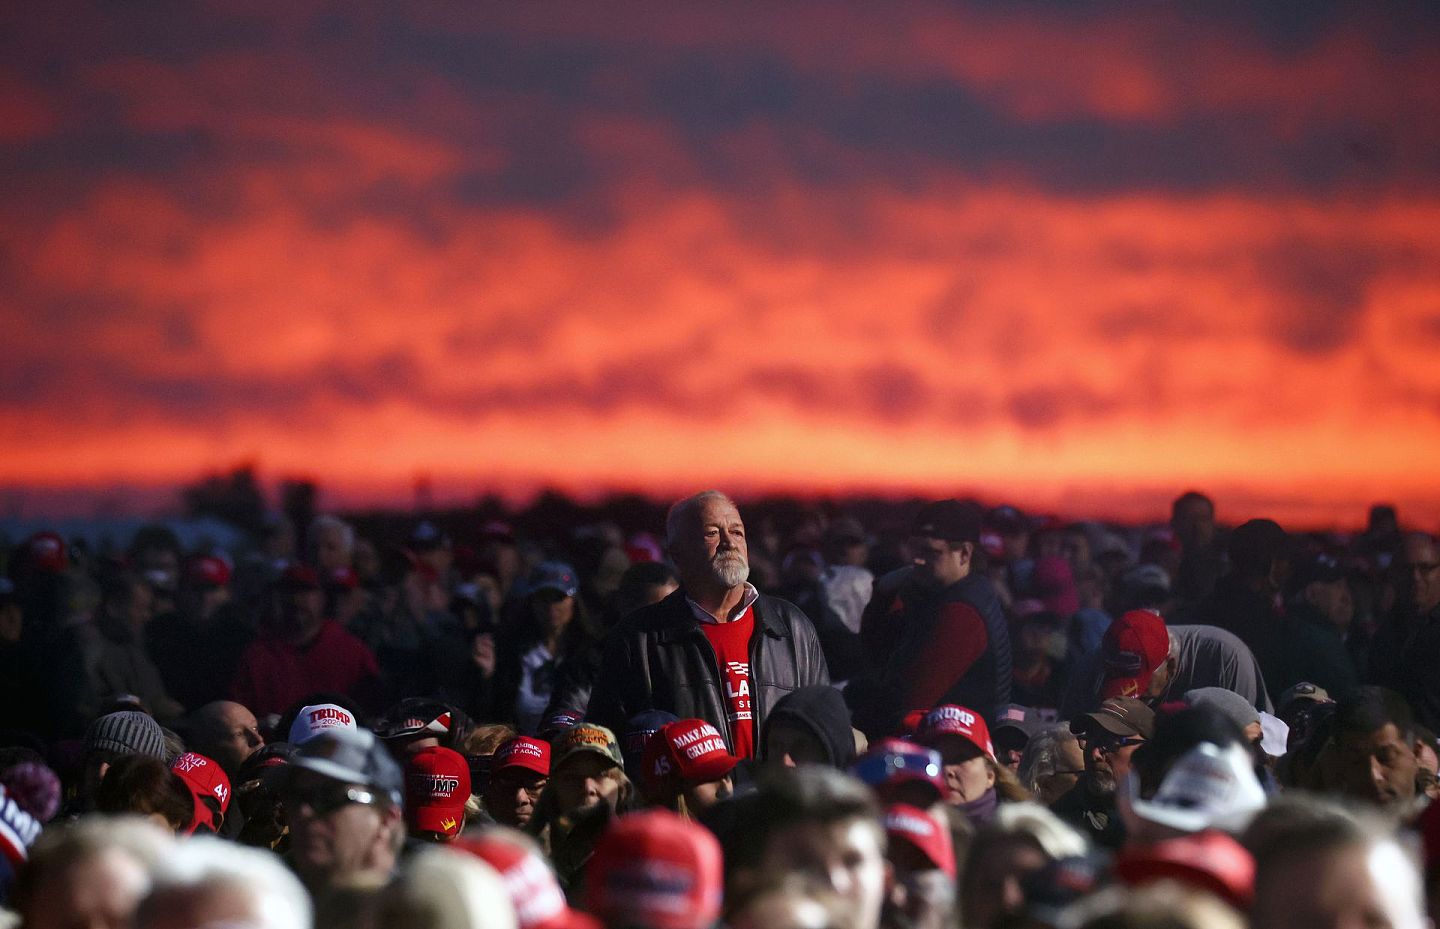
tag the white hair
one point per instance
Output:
(326, 521)
(1053, 835)
(682, 511)
(440, 888)
(60, 846)
(204, 864)
(1042, 755)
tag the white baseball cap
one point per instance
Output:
(1207, 788)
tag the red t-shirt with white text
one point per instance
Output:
(731, 642)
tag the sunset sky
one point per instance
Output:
(1080, 257)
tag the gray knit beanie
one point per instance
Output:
(1233, 706)
(127, 733)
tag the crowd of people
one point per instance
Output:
(970, 718)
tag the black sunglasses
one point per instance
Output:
(326, 800)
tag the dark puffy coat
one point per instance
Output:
(659, 659)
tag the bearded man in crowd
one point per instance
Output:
(716, 649)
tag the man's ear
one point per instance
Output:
(967, 552)
(392, 827)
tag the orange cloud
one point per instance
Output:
(995, 338)
(322, 256)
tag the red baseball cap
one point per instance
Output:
(656, 870)
(949, 719)
(687, 751)
(47, 552)
(1211, 861)
(926, 833)
(205, 779)
(298, 576)
(522, 752)
(1133, 649)
(341, 578)
(209, 571)
(437, 784)
(539, 902)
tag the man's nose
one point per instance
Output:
(837, 878)
(1012, 896)
(1377, 771)
(522, 796)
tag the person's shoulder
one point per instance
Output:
(892, 581)
(770, 605)
(653, 617)
(336, 635)
(1198, 634)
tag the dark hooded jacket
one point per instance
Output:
(820, 710)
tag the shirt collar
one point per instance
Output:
(705, 616)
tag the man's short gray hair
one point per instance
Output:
(1042, 756)
(681, 511)
(203, 864)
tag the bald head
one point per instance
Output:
(225, 731)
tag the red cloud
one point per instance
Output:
(314, 284)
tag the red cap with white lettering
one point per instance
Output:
(539, 901)
(209, 788)
(931, 836)
(657, 870)
(949, 719)
(685, 752)
(437, 784)
(522, 752)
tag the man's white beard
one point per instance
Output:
(730, 570)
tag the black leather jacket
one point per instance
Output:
(659, 659)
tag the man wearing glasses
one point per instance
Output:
(517, 777)
(1108, 737)
(1405, 652)
(343, 794)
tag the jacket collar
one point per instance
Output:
(682, 624)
